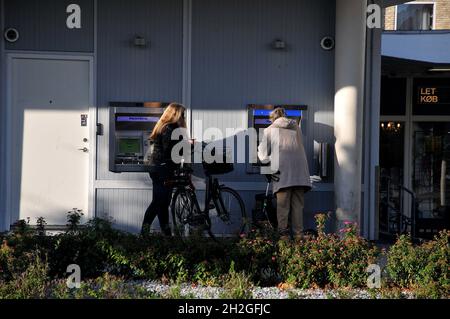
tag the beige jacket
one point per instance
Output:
(282, 145)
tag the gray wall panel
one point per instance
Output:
(234, 65)
(126, 207)
(127, 73)
(42, 25)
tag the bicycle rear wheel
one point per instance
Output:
(186, 218)
(228, 217)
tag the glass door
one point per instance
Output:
(392, 148)
(431, 176)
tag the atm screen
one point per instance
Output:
(131, 125)
(135, 122)
(130, 146)
(261, 117)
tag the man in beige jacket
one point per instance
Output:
(282, 145)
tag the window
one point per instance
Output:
(431, 96)
(393, 96)
(415, 16)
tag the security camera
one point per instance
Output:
(327, 43)
(11, 35)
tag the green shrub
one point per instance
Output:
(206, 274)
(256, 255)
(237, 285)
(31, 284)
(40, 226)
(175, 267)
(423, 267)
(437, 267)
(73, 220)
(84, 247)
(327, 261)
(259, 258)
(5, 261)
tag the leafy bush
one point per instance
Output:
(33, 265)
(32, 283)
(256, 255)
(424, 268)
(207, 273)
(237, 285)
(327, 261)
(73, 220)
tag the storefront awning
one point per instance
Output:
(424, 46)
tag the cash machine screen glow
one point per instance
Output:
(153, 119)
(261, 117)
(129, 146)
(289, 113)
(136, 122)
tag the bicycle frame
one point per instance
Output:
(211, 195)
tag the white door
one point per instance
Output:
(49, 136)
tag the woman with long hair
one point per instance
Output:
(162, 166)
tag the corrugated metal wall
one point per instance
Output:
(126, 207)
(232, 66)
(42, 25)
(128, 73)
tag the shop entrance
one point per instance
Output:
(414, 187)
(431, 176)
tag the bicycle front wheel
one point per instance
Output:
(228, 218)
(186, 218)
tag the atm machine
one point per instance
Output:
(258, 118)
(130, 127)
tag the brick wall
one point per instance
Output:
(389, 20)
(442, 14)
(442, 17)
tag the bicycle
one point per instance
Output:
(265, 216)
(269, 222)
(224, 210)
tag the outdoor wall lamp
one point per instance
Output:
(278, 44)
(139, 42)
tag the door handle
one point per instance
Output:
(84, 149)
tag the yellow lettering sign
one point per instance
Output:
(428, 95)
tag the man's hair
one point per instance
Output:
(277, 113)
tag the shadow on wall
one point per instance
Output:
(127, 207)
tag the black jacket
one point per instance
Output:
(162, 149)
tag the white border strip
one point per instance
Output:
(187, 59)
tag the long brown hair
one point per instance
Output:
(174, 113)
